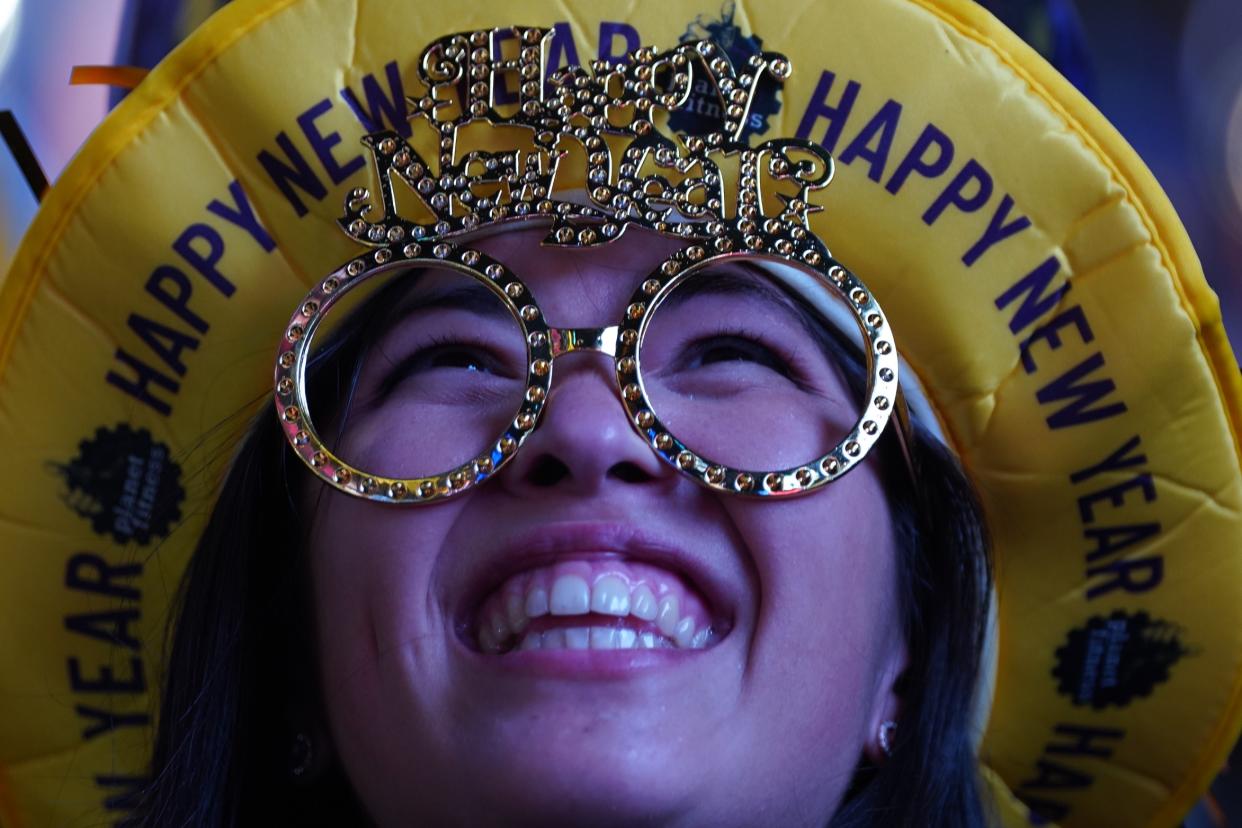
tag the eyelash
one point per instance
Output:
(788, 365)
(783, 362)
(401, 369)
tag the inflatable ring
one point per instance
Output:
(1047, 296)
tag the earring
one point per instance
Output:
(888, 732)
(301, 755)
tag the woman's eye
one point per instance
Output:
(456, 357)
(462, 359)
(720, 349)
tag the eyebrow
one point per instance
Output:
(747, 281)
(741, 279)
(474, 298)
(732, 281)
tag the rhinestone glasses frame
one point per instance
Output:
(544, 343)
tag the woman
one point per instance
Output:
(838, 676)
(359, 629)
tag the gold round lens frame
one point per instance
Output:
(688, 204)
(544, 344)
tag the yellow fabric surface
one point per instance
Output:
(965, 165)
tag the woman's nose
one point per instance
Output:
(583, 442)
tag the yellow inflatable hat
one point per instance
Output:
(1043, 289)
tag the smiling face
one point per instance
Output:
(592, 637)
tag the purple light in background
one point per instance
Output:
(49, 38)
(9, 23)
(1233, 151)
(1211, 83)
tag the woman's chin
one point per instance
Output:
(590, 784)
(556, 773)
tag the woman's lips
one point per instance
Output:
(495, 590)
(595, 601)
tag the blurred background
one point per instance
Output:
(1167, 73)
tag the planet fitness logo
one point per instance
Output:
(1114, 660)
(704, 110)
(126, 484)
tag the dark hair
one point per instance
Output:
(241, 679)
(944, 577)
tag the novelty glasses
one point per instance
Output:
(755, 375)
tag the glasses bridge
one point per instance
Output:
(568, 340)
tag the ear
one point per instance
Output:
(308, 745)
(310, 754)
(887, 704)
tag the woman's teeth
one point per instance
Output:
(591, 638)
(655, 616)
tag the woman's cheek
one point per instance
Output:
(828, 623)
(373, 570)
